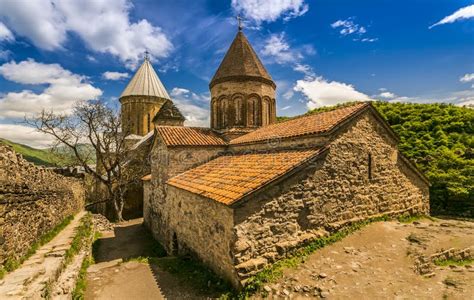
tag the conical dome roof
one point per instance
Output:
(241, 63)
(145, 82)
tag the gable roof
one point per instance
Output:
(241, 62)
(145, 82)
(190, 136)
(228, 179)
(168, 111)
(306, 125)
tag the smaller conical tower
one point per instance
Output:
(242, 91)
(141, 100)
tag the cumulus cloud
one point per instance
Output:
(467, 78)
(5, 33)
(320, 92)
(104, 26)
(387, 95)
(25, 135)
(194, 107)
(63, 88)
(461, 14)
(270, 10)
(114, 75)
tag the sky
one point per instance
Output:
(319, 52)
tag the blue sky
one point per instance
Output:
(55, 52)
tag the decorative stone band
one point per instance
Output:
(242, 78)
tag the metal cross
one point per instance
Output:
(239, 20)
(146, 54)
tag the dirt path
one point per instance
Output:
(378, 263)
(110, 278)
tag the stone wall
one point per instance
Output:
(201, 227)
(333, 191)
(167, 162)
(33, 200)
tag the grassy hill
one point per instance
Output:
(37, 156)
(46, 157)
(439, 138)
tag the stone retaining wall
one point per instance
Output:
(33, 200)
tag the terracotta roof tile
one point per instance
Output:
(312, 124)
(227, 179)
(189, 136)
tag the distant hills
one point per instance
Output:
(44, 157)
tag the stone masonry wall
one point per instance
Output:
(201, 227)
(32, 201)
(333, 191)
(167, 162)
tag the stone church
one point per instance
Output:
(249, 190)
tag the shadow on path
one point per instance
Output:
(130, 240)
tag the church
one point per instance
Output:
(249, 190)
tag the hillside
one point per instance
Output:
(439, 138)
(60, 157)
(37, 156)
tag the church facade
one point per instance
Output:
(248, 191)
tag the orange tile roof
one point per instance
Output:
(227, 179)
(189, 136)
(312, 124)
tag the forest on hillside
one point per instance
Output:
(439, 139)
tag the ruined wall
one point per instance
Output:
(32, 201)
(201, 227)
(335, 190)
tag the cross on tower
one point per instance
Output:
(239, 20)
(147, 54)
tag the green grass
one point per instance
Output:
(41, 157)
(86, 232)
(413, 218)
(81, 238)
(11, 263)
(453, 262)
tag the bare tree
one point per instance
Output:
(95, 124)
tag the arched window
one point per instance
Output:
(224, 111)
(239, 109)
(138, 124)
(265, 111)
(148, 120)
(252, 109)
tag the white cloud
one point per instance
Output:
(194, 107)
(270, 10)
(387, 95)
(461, 14)
(104, 26)
(305, 69)
(348, 27)
(467, 78)
(63, 88)
(114, 75)
(320, 92)
(5, 33)
(25, 135)
(277, 47)
(286, 107)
